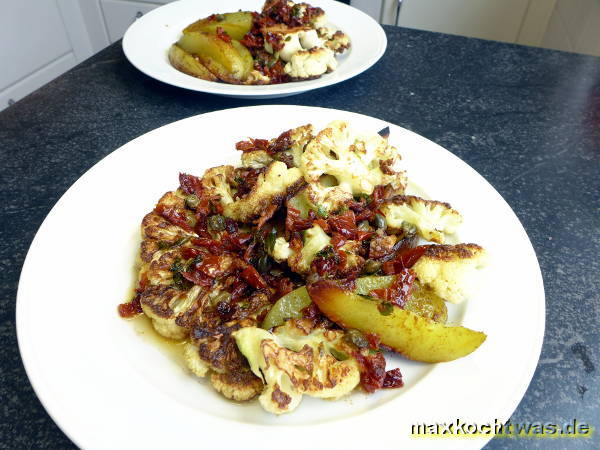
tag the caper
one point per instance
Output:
(216, 223)
(408, 228)
(263, 264)
(220, 297)
(371, 266)
(357, 338)
(338, 354)
(364, 225)
(192, 201)
(380, 221)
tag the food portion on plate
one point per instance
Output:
(295, 272)
(285, 42)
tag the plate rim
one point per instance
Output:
(527, 371)
(253, 91)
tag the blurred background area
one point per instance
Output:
(69, 31)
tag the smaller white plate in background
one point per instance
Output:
(147, 41)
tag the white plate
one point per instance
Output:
(147, 41)
(108, 386)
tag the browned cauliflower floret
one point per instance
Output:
(293, 364)
(270, 188)
(431, 218)
(449, 270)
(359, 162)
(240, 385)
(256, 159)
(163, 304)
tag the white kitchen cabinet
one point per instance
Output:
(32, 59)
(118, 15)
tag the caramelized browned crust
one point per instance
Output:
(241, 385)
(451, 252)
(404, 199)
(158, 298)
(217, 347)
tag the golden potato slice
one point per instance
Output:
(187, 63)
(230, 61)
(236, 24)
(415, 337)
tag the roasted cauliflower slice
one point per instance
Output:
(450, 270)
(328, 198)
(256, 159)
(315, 240)
(163, 304)
(239, 386)
(311, 63)
(217, 182)
(193, 361)
(270, 188)
(291, 365)
(431, 218)
(358, 161)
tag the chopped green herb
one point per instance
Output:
(367, 297)
(322, 212)
(385, 308)
(356, 338)
(327, 252)
(338, 354)
(163, 245)
(371, 266)
(263, 263)
(301, 368)
(361, 196)
(288, 39)
(270, 241)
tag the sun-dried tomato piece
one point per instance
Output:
(252, 144)
(199, 278)
(293, 221)
(175, 216)
(344, 223)
(400, 290)
(213, 246)
(372, 369)
(190, 184)
(222, 34)
(393, 379)
(254, 279)
(131, 309)
(404, 259)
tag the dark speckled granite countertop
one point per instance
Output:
(527, 119)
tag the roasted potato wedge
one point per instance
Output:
(229, 61)
(189, 64)
(236, 24)
(415, 337)
(423, 301)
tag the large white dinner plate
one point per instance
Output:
(107, 385)
(147, 41)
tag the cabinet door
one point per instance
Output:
(118, 15)
(32, 35)
(488, 19)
